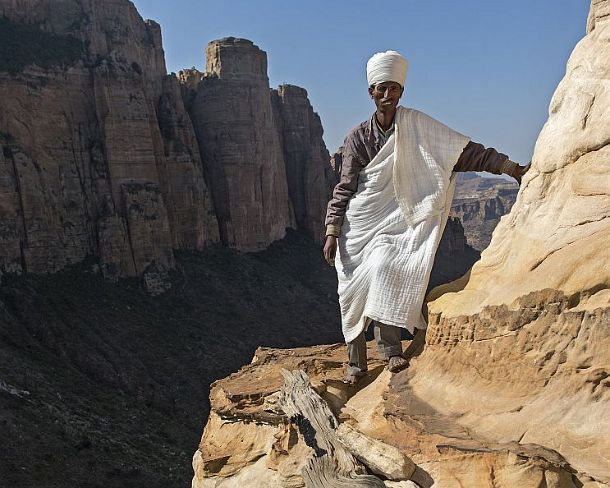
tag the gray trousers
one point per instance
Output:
(388, 345)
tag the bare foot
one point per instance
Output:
(397, 363)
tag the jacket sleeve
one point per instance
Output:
(352, 164)
(475, 157)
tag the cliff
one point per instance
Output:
(306, 157)
(240, 146)
(101, 158)
(509, 387)
(538, 300)
(262, 149)
(479, 203)
(97, 155)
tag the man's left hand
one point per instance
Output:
(519, 171)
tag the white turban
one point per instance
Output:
(387, 66)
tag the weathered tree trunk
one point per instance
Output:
(331, 465)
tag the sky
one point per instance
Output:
(486, 68)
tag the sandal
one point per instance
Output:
(352, 379)
(397, 363)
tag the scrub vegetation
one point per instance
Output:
(24, 44)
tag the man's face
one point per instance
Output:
(386, 95)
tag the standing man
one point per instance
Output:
(388, 211)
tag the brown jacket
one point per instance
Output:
(364, 142)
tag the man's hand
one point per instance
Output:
(519, 171)
(330, 249)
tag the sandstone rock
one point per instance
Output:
(189, 81)
(336, 161)
(245, 406)
(147, 224)
(245, 441)
(74, 132)
(527, 332)
(191, 215)
(306, 158)
(560, 220)
(240, 148)
(76, 128)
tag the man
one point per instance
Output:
(388, 212)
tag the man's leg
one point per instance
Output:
(356, 357)
(390, 346)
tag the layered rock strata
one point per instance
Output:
(262, 149)
(100, 157)
(250, 441)
(97, 156)
(528, 331)
(479, 203)
(306, 158)
(240, 146)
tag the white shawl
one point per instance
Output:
(393, 225)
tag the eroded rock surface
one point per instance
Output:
(262, 149)
(79, 128)
(528, 334)
(249, 438)
(240, 145)
(306, 158)
(89, 111)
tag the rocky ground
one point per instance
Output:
(102, 385)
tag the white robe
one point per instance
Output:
(393, 225)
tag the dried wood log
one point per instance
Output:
(331, 465)
(379, 457)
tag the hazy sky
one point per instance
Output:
(487, 68)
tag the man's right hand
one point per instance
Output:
(330, 249)
(519, 171)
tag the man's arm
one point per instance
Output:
(351, 166)
(475, 157)
(352, 163)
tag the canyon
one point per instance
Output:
(105, 155)
(479, 203)
(150, 239)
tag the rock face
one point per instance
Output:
(306, 157)
(97, 156)
(480, 203)
(453, 240)
(250, 441)
(532, 319)
(262, 149)
(511, 384)
(240, 146)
